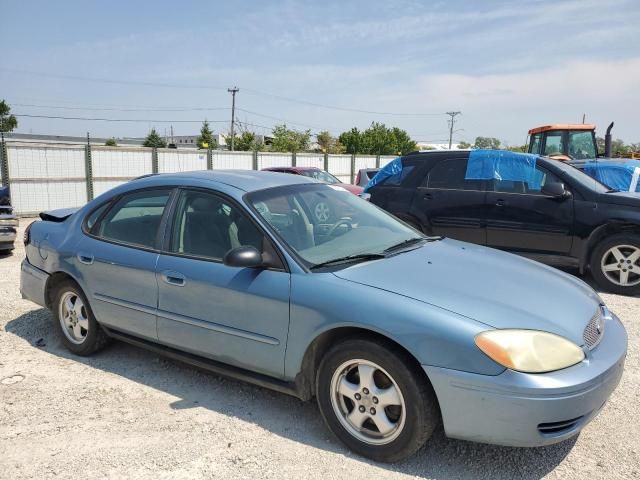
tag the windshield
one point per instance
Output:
(581, 177)
(321, 175)
(322, 223)
(581, 145)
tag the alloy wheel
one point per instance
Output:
(368, 402)
(73, 317)
(621, 265)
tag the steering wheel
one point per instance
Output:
(343, 221)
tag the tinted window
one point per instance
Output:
(532, 186)
(208, 226)
(450, 174)
(135, 218)
(95, 215)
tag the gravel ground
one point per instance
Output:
(127, 413)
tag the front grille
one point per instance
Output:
(594, 330)
(557, 428)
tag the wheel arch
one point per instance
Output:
(54, 280)
(603, 232)
(305, 379)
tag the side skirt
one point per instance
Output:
(212, 366)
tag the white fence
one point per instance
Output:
(49, 176)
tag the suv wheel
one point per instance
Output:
(374, 399)
(615, 264)
(81, 333)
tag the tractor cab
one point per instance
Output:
(564, 141)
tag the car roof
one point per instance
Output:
(246, 180)
(562, 126)
(290, 169)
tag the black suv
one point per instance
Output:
(568, 219)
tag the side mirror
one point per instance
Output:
(244, 256)
(554, 189)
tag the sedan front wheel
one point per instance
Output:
(375, 399)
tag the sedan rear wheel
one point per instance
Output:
(615, 264)
(81, 333)
(375, 398)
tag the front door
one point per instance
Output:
(451, 205)
(117, 261)
(521, 218)
(238, 316)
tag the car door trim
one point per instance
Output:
(218, 328)
(123, 303)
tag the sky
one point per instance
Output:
(506, 65)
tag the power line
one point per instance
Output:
(132, 120)
(210, 87)
(150, 109)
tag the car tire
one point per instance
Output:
(81, 333)
(615, 264)
(394, 403)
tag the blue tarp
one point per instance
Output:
(391, 169)
(504, 165)
(621, 175)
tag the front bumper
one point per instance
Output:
(529, 410)
(33, 283)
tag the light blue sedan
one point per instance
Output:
(393, 332)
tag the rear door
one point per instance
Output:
(521, 218)
(117, 260)
(451, 205)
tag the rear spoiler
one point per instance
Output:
(59, 215)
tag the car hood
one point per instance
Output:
(492, 287)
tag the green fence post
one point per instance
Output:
(88, 170)
(209, 159)
(4, 162)
(154, 160)
(293, 159)
(326, 162)
(353, 167)
(377, 161)
(254, 163)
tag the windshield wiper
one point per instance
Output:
(404, 243)
(358, 257)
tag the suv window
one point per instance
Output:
(135, 218)
(208, 226)
(450, 175)
(532, 186)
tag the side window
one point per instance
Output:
(208, 226)
(135, 218)
(450, 175)
(534, 146)
(530, 186)
(554, 143)
(93, 217)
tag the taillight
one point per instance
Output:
(27, 234)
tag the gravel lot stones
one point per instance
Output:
(127, 413)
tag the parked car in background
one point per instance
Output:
(231, 272)
(364, 175)
(549, 211)
(619, 174)
(322, 210)
(8, 222)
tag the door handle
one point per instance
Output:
(174, 278)
(500, 203)
(428, 196)
(85, 258)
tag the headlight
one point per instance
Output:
(529, 351)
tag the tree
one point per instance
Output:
(328, 143)
(8, 122)
(289, 140)
(464, 145)
(618, 147)
(487, 143)
(378, 140)
(154, 140)
(246, 141)
(205, 139)
(111, 142)
(518, 148)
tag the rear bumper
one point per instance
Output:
(7, 237)
(529, 410)
(33, 282)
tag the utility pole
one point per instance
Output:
(233, 92)
(452, 122)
